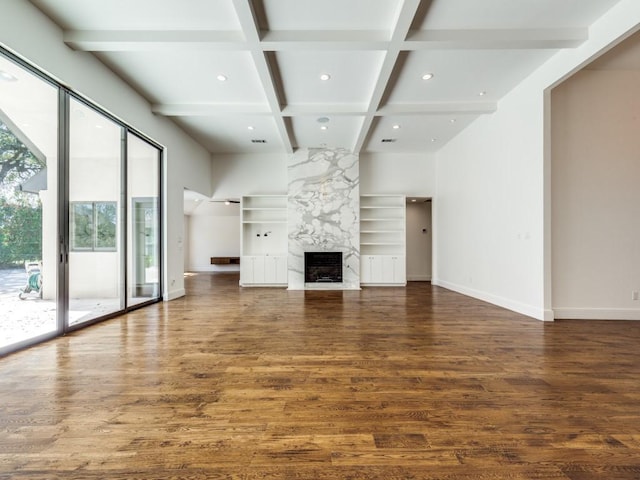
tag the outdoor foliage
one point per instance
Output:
(20, 233)
(20, 213)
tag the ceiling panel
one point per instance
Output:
(327, 14)
(191, 76)
(415, 133)
(461, 75)
(232, 133)
(339, 131)
(353, 76)
(141, 14)
(507, 14)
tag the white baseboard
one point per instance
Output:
(418, 278)
(597, 313)
(514, 306)
(172, 295)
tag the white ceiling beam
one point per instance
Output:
(249, 25)
(439, 108)
(208, 109)
(144, 40)
(496, 39)
(324, 109)
(399, 33)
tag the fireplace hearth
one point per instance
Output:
(323, 267)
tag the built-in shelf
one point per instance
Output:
(382, 240)
(264, 243)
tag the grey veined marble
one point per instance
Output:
(324, 212)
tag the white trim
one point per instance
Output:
(597, 313)
(418, 278)
(172, 295)
(528, 310)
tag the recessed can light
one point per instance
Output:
(396, 127)
(222, 78)
(482, 93)
(427, 76)
(414, 200)
(323, 120)
(250, 127)
(323, 127)
(434, 140)
(453, 120)
(324, 77)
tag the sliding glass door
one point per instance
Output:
(80, 229)
(28, 206)
(95, 215)
(143, 179)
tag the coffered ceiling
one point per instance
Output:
(245, 76)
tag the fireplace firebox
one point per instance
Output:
(323, 267)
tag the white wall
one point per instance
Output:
(238, 175)
(214, 231)
(596, 195)
(411, 175)
(30, 34)
(419, 241)
(492, 212)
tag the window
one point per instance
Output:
(93, 226)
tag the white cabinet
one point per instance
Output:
(383, 269)
(383, 240)
(264, 241)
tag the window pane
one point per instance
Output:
(82, 226)
(144, 221)
(28, 205)
(106, 227)
(95, 178)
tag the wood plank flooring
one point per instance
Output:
(385, 383)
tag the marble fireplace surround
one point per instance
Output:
(323, 213)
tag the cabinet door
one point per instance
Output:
(399, 269)
(371, 269)
(282, 274)
(393, 269)
(258, 269)
(275, 270)
(246, 270)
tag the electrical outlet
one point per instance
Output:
(634, 295)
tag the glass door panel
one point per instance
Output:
(95, 215)
(143, 264)
(28, 206)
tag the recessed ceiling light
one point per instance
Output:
(7, 77)
(324, 77)
(413, 200)
(482, 93)
(323, 127)
(250, 127)
(453, 120)
(396, 127)
(434, 140)
(222, 78)
(323, 120)
(427, 76)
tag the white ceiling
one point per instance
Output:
(274, 51)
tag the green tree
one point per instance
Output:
(17, 163)
(20, 213)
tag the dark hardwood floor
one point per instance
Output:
(385, 383)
